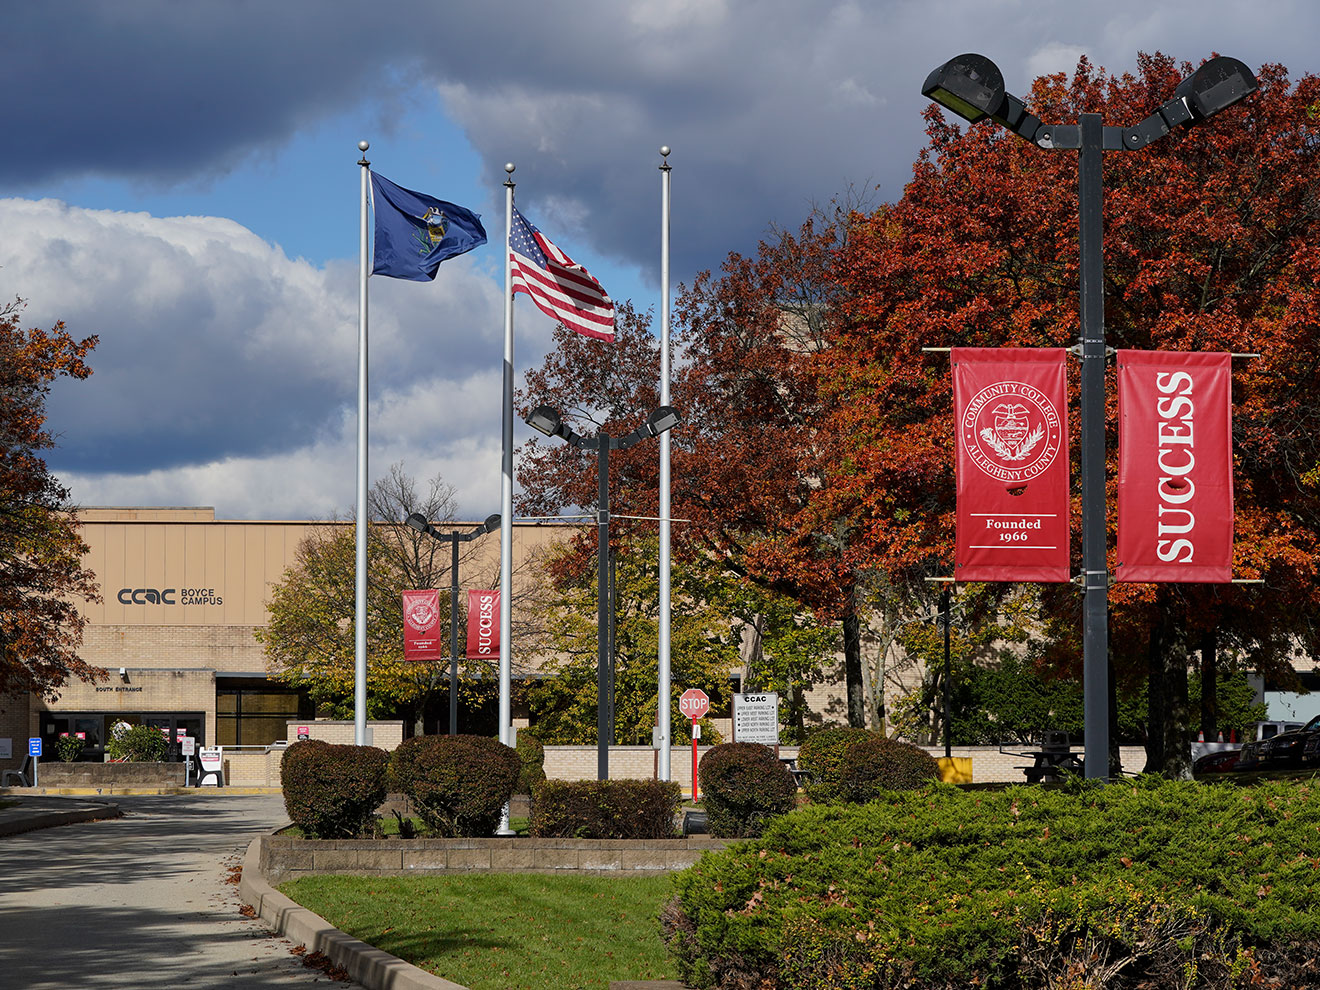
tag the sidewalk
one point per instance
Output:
(20, 812)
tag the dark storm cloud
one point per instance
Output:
(771, 105)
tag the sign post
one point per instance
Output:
(34, 751)
(694, 703)
(188, 744)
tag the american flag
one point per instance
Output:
(559, 286)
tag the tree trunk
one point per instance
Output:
(1167, 749)
(852, 669)
(1209, 686)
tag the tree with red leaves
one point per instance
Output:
(1210, 244)
(41, 552)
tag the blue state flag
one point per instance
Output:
(415, 232)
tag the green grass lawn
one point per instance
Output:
(504, 931)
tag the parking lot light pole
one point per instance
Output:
(419, 522)
(973, 87)
(547, 420)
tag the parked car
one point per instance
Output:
(1311, 751)
(1287, 748)
(1249, 757)
(1223, 762)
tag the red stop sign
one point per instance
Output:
(693, 703)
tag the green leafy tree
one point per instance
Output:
(703, 646)
(310, 635)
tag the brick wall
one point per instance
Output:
(219, 647)
(14, 727)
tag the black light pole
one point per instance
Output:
(548, 421)
(973, 87)
(945, 604)
(418, 522)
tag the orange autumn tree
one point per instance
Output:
(1210, 244)
(41, 551)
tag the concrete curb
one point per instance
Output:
(50, 819)
(372, 967)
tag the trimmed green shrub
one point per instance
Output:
(332, 792)
(458, 784)
(136, 744)
(1129, 887)
(69, 747)
(743, 786)
(606, 809)
(531, 751)
(853, 766)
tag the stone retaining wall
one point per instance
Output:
(105, 775)
(284, 859)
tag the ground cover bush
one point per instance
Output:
(856, 765)
(743, 786)
(459, 784)
(1153, 884)
(332, 792)
(605, 809)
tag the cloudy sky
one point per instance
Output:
(181, 179)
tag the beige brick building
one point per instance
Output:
(182, 594)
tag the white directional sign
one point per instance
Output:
(756, 718)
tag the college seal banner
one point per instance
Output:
(421, 621)
(1011, 464)
(483, 625)
(1175, 467)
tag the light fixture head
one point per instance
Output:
(492, 523)
(1216, 86)
(661, 420)
(418, 522)
(970, 85)
(546, 419)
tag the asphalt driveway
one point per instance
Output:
(143, 901)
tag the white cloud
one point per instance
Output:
(227, 373)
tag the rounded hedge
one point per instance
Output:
(846, 765)
(606, 809)
(459, 785)
(744, 786)
(332, 792)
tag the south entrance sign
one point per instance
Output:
(693, 703)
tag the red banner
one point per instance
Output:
(483, 625)
(1175, 467)
(1012, 464)
(421, 621)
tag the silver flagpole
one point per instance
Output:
(662, 658)
(360, 581)
(506, 498)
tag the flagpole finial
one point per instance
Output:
(664, 152)
(362, 147)
(509, 167)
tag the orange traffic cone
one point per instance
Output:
(1221, 735)
(1200, 736)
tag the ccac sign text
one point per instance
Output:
(169, 596)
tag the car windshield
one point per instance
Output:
(1313, 725)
